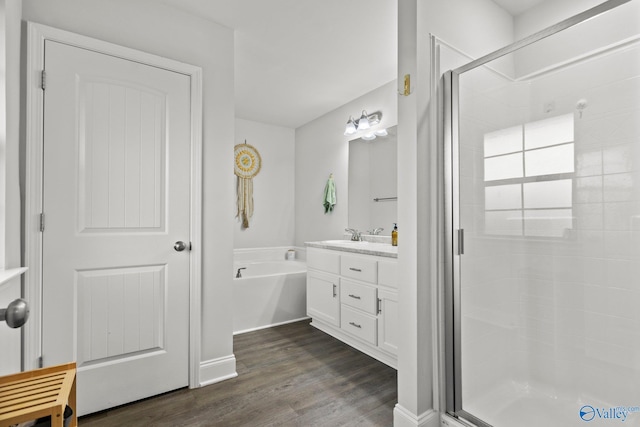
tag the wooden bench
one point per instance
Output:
(39, 393)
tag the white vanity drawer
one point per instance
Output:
(322, 260)
(359, 324)
(388, 274)
(359, 296)
(360, 268)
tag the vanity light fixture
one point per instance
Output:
(370, 136)
(364, 122)
(351, 127)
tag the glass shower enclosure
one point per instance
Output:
(542, 159)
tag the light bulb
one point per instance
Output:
(363, 123)
(369, 136)
(351, 127)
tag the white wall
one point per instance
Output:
(9, 133)
(480, 29)
(616, 25)
(10, 13)
(10, 356)
(154, 28)
(273, 221)
(322, 149)
(548, 13)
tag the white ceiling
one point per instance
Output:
(516, 7)
(296, 60)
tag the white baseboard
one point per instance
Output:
(216, 370)
(404, 418)
(244, 331)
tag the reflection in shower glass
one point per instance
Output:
(549, 196)
(542, 149)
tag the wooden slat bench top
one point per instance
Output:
(29, 395)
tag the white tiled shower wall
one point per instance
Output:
(558, 313)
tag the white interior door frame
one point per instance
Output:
(37, 34)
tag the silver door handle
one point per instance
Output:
(16, 314)
(180, 246)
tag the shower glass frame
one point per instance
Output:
(453, 234)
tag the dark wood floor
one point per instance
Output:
(290, 375)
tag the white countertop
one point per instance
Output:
(366, 248)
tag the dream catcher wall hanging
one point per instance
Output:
(246, 165)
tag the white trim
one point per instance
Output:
(272, 325)
(405, 418)
(36, 36)
(33, 198)
(215, 370)
(195, 281)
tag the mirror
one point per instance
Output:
(373, 183)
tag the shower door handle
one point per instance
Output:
(461, 241)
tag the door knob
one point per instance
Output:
(16, 314)
(180, 246)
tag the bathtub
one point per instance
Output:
(272, 290)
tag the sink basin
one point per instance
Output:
(346, 242)
(358, 244)
(374, 248)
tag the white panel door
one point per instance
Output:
(116, 199)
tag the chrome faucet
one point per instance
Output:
(356, 236)
(239, 273)
(375, 231)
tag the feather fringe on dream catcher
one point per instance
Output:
(247, 165)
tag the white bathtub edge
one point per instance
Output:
(274, 253)
(216, 370)
(244, 331)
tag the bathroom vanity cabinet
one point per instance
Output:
(353, 296)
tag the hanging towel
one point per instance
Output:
(329, 199)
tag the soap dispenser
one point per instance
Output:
(394, 235)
